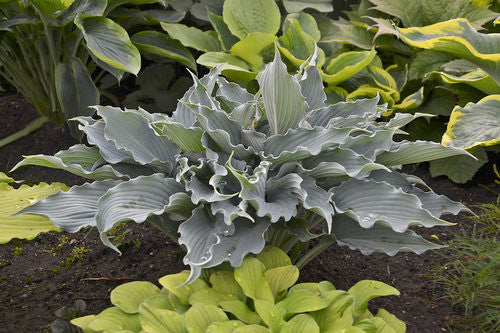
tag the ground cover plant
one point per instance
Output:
(259, 296)
(231, 172)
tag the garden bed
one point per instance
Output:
(54, 270)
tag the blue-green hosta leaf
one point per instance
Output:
(251, 278)
(76, 91)
(408, 11)
(205, 41)
(443, 10)
(295, 6)
(406, 152)
(368, 202)
(232, 93)
(13, 200)
(458, 38)
(245, 17)
(200, 316)
(371, 145)
(339, 162)
(315, 199)
(460, 169)
(360, 107)
(79, 160)
(346, 65)
(139, 198)
(475, 124)
(311, 84)
(74, 209)
(300, 323)
(159, 44)
(364, 291)
(226, 38)
(229, 210)
(378, 238)
(283, 101)
(145, 146)
(109, 42)
(129, 296)
(300, 143)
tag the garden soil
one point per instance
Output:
(54, 270)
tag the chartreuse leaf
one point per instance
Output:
(128, 296)
(224, 282)
(250, 276)
(5, 179)
(338, 315)
(284, 104)
(346, 65)
(159, 44)
(281, 278)
(251, 329)
(158, 319)
(295, 44)
(241, 311)
(174, 284)
(188, 139)
(113, 319)
(13, 200)
(363, 291)
(200, 316)
(253, 49)
(270, 314)
(273, 257)
(300, 301)
(224, 326)
(109, 43)
(205, 41)
(210, 296)
(307, 23)
(49, 7)
(410, 102)
(245, 17)
(457, 37)
(83, 323)
(396, 324)
(476, 124)
(300, 323)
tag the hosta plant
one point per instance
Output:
(259, 296)
(231, 172)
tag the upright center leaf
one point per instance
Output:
(283, 101)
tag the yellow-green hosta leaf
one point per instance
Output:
(241, 311)
(271, 314)
(474, 124)
(302, 301)
(411, 102)
(478, 79)
(49, 7)
(367, 91)
(281, 278)
(129, 296)
(382, 78)
(251, 329)
(210, 297)
(295, 44)
(346, 65)
(307, 23)
(396, 324)
(224, 282)
(109, 43)
(254, 48)
(273, 257)
(244, 17)
(363, 291)
(250, 276)
(232, 67)
(174, 284)
(13, 200)
(457, 37)
(205, 41)
(200, 316)
(5, 179)
(301, 323)
(224, 326)
(113, 319)
(83, 323)
(154, 319)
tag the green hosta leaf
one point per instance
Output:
(295, 6)
(369, 202)
(200, 316)
(73, 209)
(427, 61)
(273, 257)
(475, 124)
(89, 7)
(13, 200)
(109, 42)
(231, 66)
(113, 319)
(226, 38)
(78, 160)
(459, 169)
(205, 41)
(378, 238)
(241, 311)
(343, 31)
(346, 65)
(408, 11)
(76, 91)
(245, 17)
(188, 139)
(254, 48)
(301, 323)
(365, 290)
(250, 276)
(458, 38)
(443, 10)
(307, 23)
(302, 301)
(284, 104)
(295, 44)
(128, 296)
(478, 79)
(270, 314)
(419, 151)
(159, 44)
(281, 278)
(49, 7)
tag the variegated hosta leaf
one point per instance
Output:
(369, 202)
(475, 124)
(79, 160)
(378, 238)
(478, 79)
(460, 39)
(283, 101)
(74, 209)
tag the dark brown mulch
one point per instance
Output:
(35, 282)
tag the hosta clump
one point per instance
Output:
(259, 296)
(231, 172)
